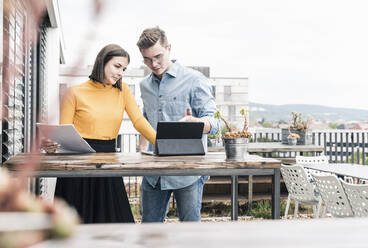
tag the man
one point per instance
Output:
(170, 92)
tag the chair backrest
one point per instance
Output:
(358, 197)
(333, 195)
(297, 183)
(311, 160)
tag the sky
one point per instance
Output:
(291, 51)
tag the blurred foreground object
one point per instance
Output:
(26, 219)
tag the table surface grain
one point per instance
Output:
(135, 161)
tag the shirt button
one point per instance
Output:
(160, 96)
(160, 110)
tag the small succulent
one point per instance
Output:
(294, 135)
(297, 122)
(235, 134)
(245, 114)
(219, 116)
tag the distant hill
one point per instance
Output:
(323, 113)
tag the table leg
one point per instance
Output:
(234, 198)
(250, 191)
(31, 185)
(276, 194)
(34, 185)
(38, 185)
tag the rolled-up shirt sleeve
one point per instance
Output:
(203, 103)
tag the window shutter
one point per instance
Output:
(15, 54)
(42, 90)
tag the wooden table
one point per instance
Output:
(120, 164)
(351, 170)
(316, 233)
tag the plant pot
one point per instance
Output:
(305, 136)
(213, 142)
(236, 149)
(292, 141)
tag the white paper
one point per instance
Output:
(65, 135)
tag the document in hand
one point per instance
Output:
(66, 135)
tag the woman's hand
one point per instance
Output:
(143, 144)
(49, 146)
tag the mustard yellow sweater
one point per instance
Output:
(97, 111)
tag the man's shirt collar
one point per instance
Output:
(173, 71)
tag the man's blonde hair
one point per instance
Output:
(150, 36)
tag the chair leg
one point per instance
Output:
(296, 209)
(315, 214)
(324, 211)
(319, 207)
(287, 207)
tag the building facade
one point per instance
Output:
(32, 49)
(231, 95)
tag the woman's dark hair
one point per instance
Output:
(107, 53)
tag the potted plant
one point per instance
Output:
(293, 138)
(213, 140)
(298, 126)
(235, 142)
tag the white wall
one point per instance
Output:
(52, 74)
(52, 89)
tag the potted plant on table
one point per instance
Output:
(213, 140)
(235, 142)
(293, 138)
(299, 127)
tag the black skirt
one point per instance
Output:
(97, 199)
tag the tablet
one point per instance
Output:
(66, 136)
(179, 138)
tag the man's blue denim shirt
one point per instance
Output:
(168, 99)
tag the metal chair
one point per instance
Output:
(333, 195)
(358, 197)
(362, 181)
(300, 189)
(312, 160)
(316, 160)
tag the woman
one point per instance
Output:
(96, 109)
